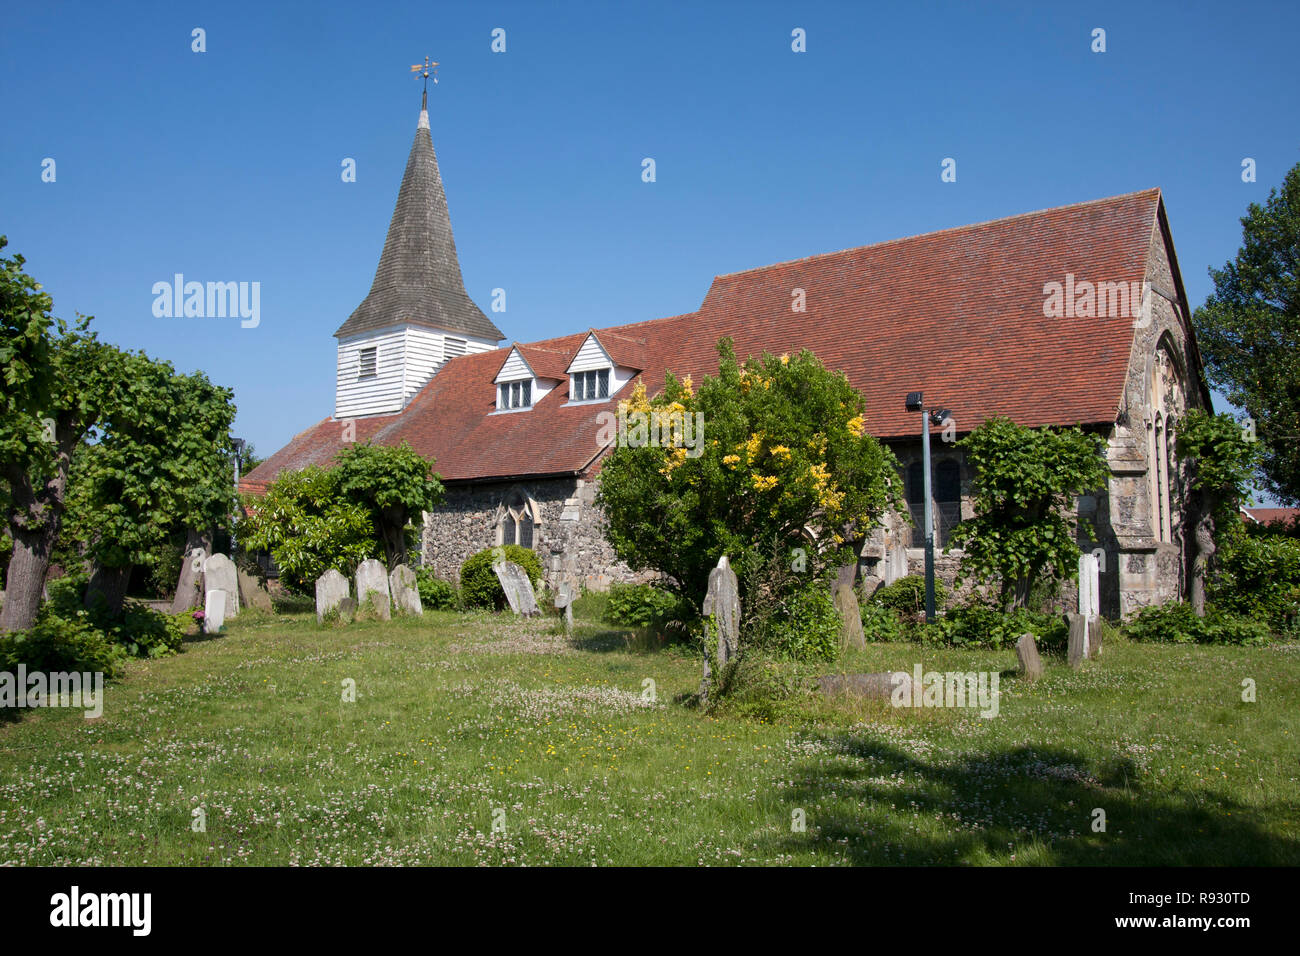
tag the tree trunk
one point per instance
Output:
(393, 530)
(111, 585)
(1205, 549)
(35, 513)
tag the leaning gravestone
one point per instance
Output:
(723, 602)
(878, 686)
(519, 590)
(219, 575)
(564, 602)
(372, 588)
(331, 590)
(251, 592)
(406, 595)
(1031, 665)
(1077, 649)
(846, 602)
(214, 612)
(189, 588)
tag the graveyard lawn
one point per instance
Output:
(463, 722)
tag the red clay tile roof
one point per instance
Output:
(957, 314)
(1271, 515)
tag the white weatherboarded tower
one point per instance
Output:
(417, 314)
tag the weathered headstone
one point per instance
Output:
(846, 574)
(519, 590)
(1089, 585)
(1031, 664)
(331, 589)
(895, 564)
(1094, 636)
(372, 588)
(251, 592)
(347, 609)
(877, 686)
(722, 600)
(189, 587)
(219, 575)
(1077, 649)
(846, 602)
(214, 612)
(564, 602)
(406, 595)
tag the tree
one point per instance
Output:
(393, 484)
(1248, 331)
(54, 391)
(308, 526)
(1025, 482)
(161, 463)
(1222, 463)
(771, 453)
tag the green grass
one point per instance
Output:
(460, 717)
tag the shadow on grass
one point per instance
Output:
(869, 803)
(630, 640)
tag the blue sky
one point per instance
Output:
(225, 165)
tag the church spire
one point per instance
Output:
(418, 281)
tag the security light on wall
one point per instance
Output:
(915, 402)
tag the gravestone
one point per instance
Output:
(1031, 665)
(219, 575)
(331, 589)
(1090, 601)
(723, 601)
(189, 587)
(564, 602)
(372, 588)
(406, 595)
(347, 609)
(846, 602)
(846, 574)
(1077, 650)
(877, 686)
(895, 563)
(519, 590)
(1094, 636)
(252, 593)
(214, 612)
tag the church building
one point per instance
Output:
(1068, 316)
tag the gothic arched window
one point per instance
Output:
(947, 498)
(517, 522)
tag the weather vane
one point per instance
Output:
(427, 69)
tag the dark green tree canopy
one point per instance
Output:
(1248, 331)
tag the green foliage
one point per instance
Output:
(1024, 486)
(138, 629)
(479, 586)
(435, 593)
(308, 527)
(1248, 332)
(1223, 462)
(881, 624)
(26, 362)
(642, 605)
(804, 626)
(393, 485)
(783, 447)
(1178, 624)
(977, 625)
(761, 686)
(1259, 577)
(59, 643)
(907, 595)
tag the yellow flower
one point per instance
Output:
(857, 425)
(764, 482)
(785, 359)
(781, 452)
(731, 460)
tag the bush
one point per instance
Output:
(1258, 577)
(56, 643)
(139, 630)
(762, 687)
(907, 595)
(881, 624)
(641, 605)
(977, 625)
(435, 593)
(479, 586)
(804, 626)
(1178, 624)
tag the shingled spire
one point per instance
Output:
(418, 281)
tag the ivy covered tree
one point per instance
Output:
(780, 458)
(1248, 332)
(1222, 465)
(1025, 483)
(55, 387)
(395, 485)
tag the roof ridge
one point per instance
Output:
(936, 232)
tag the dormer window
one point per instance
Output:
(369, 363)
(515, 395)
(589, 386)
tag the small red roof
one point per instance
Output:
(957, 314)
